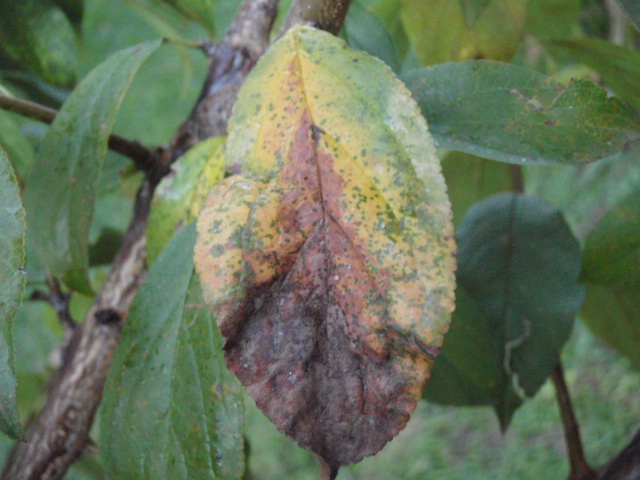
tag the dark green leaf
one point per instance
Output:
(365, 31)
(632, 7)
(469, 179)
(37, 35)
(515, 115)
(613, 314)
(518, 260)
(619, 67)
(171, 409)
(12, 282)
(469, 370)
(553, 18)
(612, 251)
(61, 192)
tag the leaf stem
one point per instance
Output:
(580, 469)
(327, 472)
(143, 158)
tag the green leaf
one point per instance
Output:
(38, 36)
(171, 409)
(12, 282)
(613, 314)
(180, 195)
(632, 8)
(469, 179)
(469, 370)
(515, 115)
(439, 30)
(612, 251)
(553, 18)
(619, 67)
(61, 192)
(15, 143)
(365, 31)
(519, 261)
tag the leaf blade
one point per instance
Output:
(514, 115)
(337, 223)
(12, 282)
(519, 261)
(171, 410)
(73, 151)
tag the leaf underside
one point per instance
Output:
(328, 260)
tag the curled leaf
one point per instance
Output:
(328, 260)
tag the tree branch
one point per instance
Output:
(143, 158)
(580, 469)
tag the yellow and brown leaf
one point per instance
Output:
(329, 258)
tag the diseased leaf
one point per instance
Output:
(171, 409)
(519, 261)
(180, 195)
(632, 8)
(12, 282)
(328, 260)
(511, 114)
(61, 191)
(619, 67)
(38, 36)
(442, 31)
(612, 252)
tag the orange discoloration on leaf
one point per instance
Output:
(328, 260)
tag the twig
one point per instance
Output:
(580, 469)
(143, 158)
(326, 15)
(626, 464)
(59, 301)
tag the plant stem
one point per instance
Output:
(326, 15)
(143, 158)
(580, 469)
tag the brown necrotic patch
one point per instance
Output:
(310, 339)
